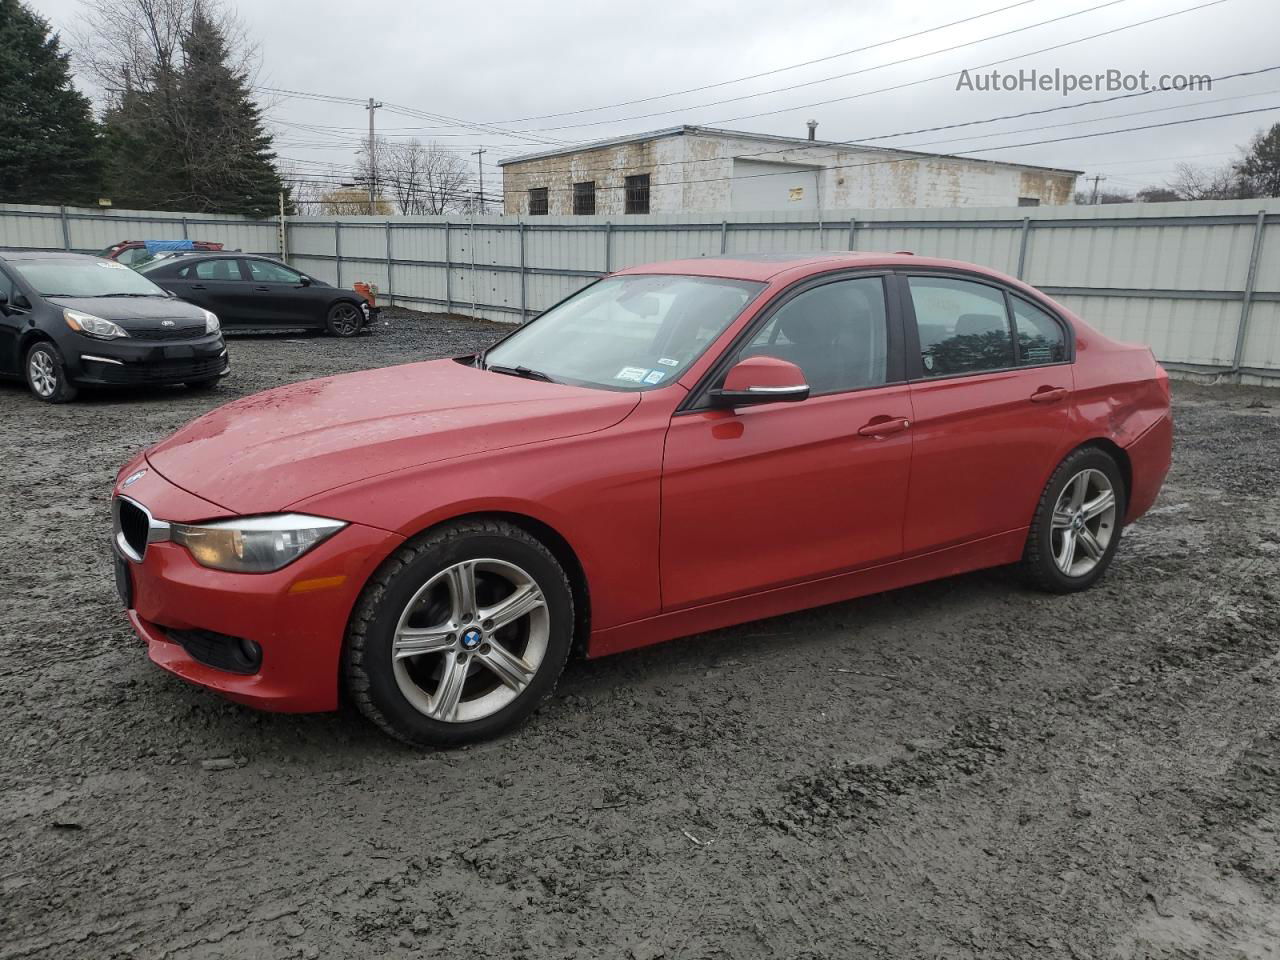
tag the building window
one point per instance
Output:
(538, 202)
(1028, 201)
(638, 194)
(584, 198)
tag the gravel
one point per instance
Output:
(961, 769)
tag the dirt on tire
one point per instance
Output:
(967, 768)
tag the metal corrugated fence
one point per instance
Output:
(1196, 281)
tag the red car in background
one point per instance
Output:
(131, 252)
(675, 448)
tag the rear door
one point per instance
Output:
(214, 284)
(991, 409)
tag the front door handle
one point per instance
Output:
(885, 427)
(1048, 394)
(263, 289)
(197, 286)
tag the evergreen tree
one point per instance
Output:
(225, 146)
(1260, 169)
(50, 150)
(188, 136)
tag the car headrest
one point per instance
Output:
(971, 324)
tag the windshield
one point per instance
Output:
(632, 332)
(85, 278)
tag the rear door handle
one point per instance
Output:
(885, 427)
(1048, 394)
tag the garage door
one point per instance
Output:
(757, 185)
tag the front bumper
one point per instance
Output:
(126, 363)
(297, 616)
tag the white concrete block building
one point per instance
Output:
(690, 169)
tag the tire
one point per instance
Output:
(1076, 530)
(203, 385)
(472, 677)
(46, 374)
(344, 319)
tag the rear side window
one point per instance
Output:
(835, 333)
(217, 270)
(963, 326)
(1040, 337)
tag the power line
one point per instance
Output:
(840, 76)
(861, 142)
(961, 154)
(767, 73)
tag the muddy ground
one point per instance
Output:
(963, 769)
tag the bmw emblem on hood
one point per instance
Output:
(134, 477)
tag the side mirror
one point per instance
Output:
(21, 302)
(305, 281)
(761, 380)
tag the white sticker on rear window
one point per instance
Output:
(634, 374)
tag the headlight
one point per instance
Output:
(254, 544)
(92, 326)
(211, 324)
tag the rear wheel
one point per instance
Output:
(460, 635)
(46, 374)
(1077, 525)
(344, 319)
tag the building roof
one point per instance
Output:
(782, 142)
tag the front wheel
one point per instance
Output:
(1077, 524)
(459, 635)
(47, 375)
(344, 319)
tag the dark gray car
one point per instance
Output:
(255, 291)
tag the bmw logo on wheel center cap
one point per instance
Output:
(471, 639)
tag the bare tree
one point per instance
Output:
(1206, 183)
(421, 179)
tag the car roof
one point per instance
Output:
(16, 255)
(765, 267)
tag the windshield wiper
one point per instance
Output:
(126, 295)
(524, 372)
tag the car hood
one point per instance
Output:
(263, 452)
(135, 314)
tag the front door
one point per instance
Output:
(213, 284)
(782, 493)
(278, 293)
(991, 415)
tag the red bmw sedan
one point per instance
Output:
(675, 448)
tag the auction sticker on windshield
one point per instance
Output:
(634, 374)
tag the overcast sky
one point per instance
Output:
(493, 64)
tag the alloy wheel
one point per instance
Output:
(1083, 522)
(470, 640)
(43, 373)
(346, 320)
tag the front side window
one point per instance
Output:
(538, 201)
(264, 271)
(836, 333)
(632, 332)
(963, 326)
(1040, 337)
(637, 188)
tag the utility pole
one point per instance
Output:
(1096, 180)
(373, 156)
(479, 155)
